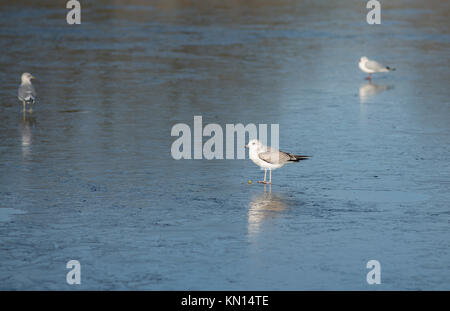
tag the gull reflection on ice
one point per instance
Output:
(27, 123)
(368, 90)
(263, 207)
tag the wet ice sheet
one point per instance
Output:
(91, 168)
(7, 214)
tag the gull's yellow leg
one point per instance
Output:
(265, 174)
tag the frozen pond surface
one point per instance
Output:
(89, 175)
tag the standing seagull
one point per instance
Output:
(27, 94)
(371, 66)
(270, 158)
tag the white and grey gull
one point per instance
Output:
(270, 158)
(26, 92)
(370, 66)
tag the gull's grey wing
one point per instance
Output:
(27, 92)
(375, 66)
(274, 156)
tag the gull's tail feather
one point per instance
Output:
(390, 69)
(296, 158)
(30, 100)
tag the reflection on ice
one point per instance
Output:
(262, 208)
(27, 122)
(368, 90)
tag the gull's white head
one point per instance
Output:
(254, 144)
(26, 77)
(363, 59)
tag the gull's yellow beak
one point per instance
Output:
(32, 77)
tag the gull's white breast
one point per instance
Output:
(261, 163)
(362, 66)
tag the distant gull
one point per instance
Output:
(371, 66)
(27, 94)
(270, 158)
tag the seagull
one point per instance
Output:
(371, 66)
(27, 94)
(270, 158)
